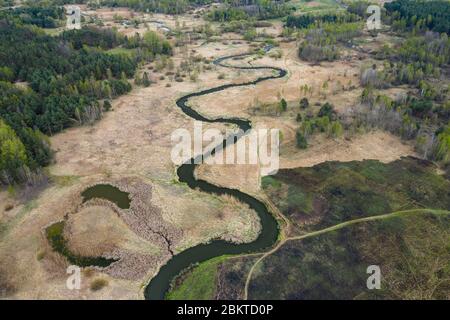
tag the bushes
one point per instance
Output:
(441, 149)
(327, 110)
(250, 34)
(316, 53)
(283, 105)
(371, 77)
(300, 140)
(107, 105)
(324, 122)
(336, 129)
(119, 87)
(321, 43)
(304, 103)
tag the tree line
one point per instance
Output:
(255, 9)
(307, 20)
(158, 6)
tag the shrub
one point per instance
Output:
(283, 105)
(301, 140)
(98, 284)
(326, 110)
(107, 105)
(304, 103)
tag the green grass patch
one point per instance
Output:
(310, 6)
(122, 51)
(198, 283)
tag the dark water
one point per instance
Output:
(159, 285)
(108, 192)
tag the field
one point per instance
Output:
(333, 265)
(334, 192)
(363, 175)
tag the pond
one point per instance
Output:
(108, 192)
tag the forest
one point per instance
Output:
(51, 83)
(420, 15)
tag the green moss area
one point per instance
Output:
(56, 238)
(197, 283)
(412, 251)
(319, 7)
(333, 192)
(122, 51)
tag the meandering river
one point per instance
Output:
(159, 285)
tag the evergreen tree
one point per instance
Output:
(145, 80)
(283, 105)
(301, 140)
(304, 103)
(107, 105)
